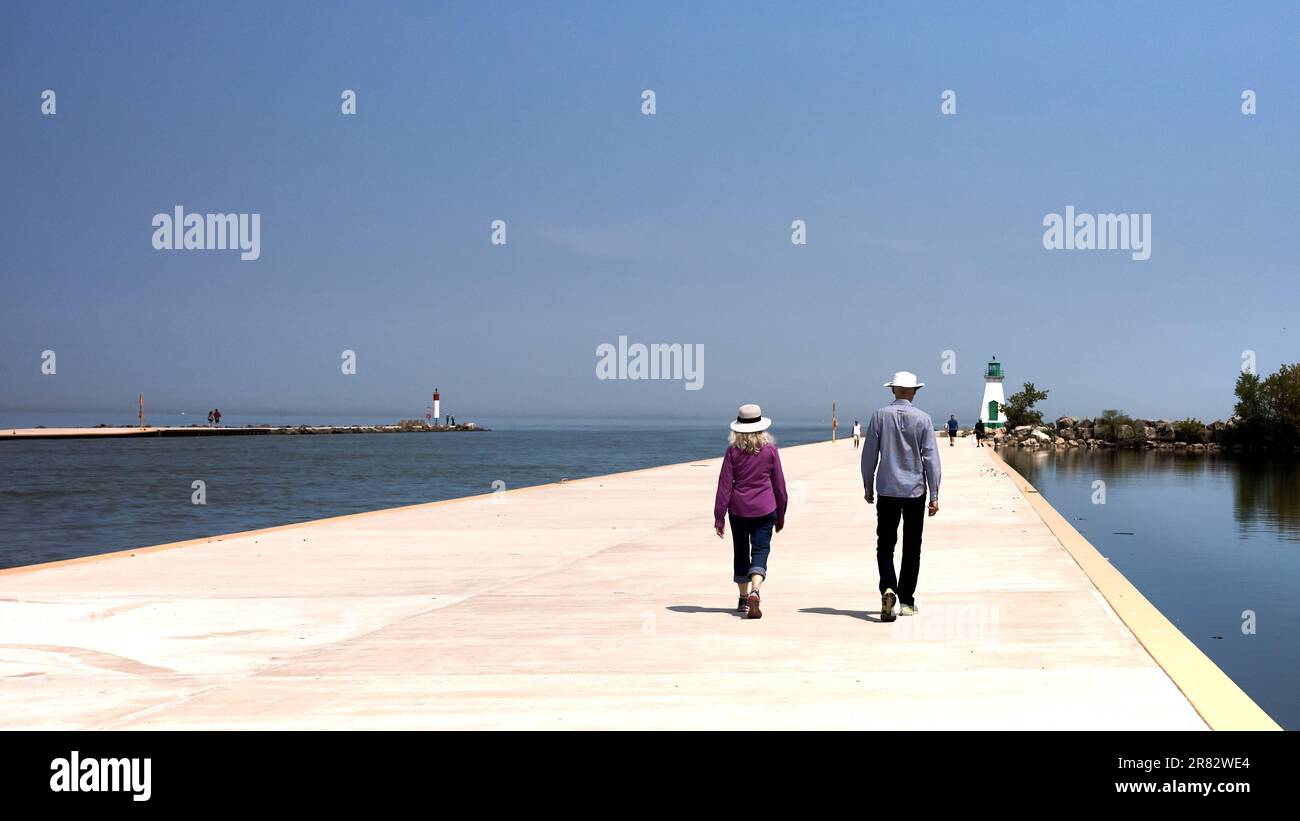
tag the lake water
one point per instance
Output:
(1205, 538)
(76, 497)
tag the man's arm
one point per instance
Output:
(930, 462)
(870, 456)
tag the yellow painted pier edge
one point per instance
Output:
(1215, 697)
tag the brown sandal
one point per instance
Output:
(754, 611)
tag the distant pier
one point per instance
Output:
(135, 432)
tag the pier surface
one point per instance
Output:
(607, 603)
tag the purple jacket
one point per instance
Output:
(750, 484)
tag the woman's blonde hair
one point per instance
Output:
(751, 442)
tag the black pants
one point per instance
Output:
(889, 509)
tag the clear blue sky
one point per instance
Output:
(924, 231)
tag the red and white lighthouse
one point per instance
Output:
(437, 410)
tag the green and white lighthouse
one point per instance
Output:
(991, 412)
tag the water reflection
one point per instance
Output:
(1266, 494)
(1265, 490)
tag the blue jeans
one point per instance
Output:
(751, 539)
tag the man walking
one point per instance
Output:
(900, 458)
(857, 434)
(952, 430)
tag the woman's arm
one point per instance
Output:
(723, 499)
(778, 489)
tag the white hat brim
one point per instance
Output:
(752, 427)
(892, 384)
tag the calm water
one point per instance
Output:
(1212, 536)
(65, 498)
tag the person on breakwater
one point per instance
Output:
(209, 418)
(952, 430)
(900, 458)
(216, 415)
(857, 434)
(751, 488)
(979, 433)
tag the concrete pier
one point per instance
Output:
(607, 603)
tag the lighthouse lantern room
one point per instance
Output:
(991, 412)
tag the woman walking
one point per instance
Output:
(751, 488)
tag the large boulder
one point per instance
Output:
(1040, 436)
(1066, 422)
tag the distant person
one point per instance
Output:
(210, 417)
(900, 458)
(751, 488)
(979, 433)
(952, 430)
(857, 434)
(216, 416)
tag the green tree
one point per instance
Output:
(1109, 423)
(1191, 431)
(1251, 410)
(1282, 399)
(1268, 410)
(1019, 408)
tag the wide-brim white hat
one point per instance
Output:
(904, 379)
(750, 419)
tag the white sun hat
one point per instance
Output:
(904, 379)
(750, 419)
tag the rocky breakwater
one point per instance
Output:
(1067, 432)
(405, 426)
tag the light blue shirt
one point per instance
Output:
(901, 437)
